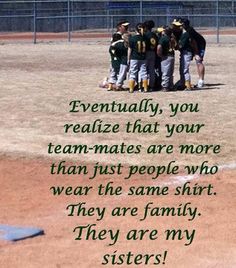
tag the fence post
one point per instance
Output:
(34, 21)
(141, 10)
(108, 16)
(217, 23)
(68, 20)
(167, 15)
(112, 23)
(233, 18)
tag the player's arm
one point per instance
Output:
(129, 55)
(159, 51)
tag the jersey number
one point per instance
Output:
(141, 47)
(153, 43)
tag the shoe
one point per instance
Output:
(131, 86)
(200, 83)
(110, 87)
(145, 86)
(188, 86)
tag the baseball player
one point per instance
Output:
(122, 27)
(115, 61)
(166, 52)
(137, 58)
(176, 29)
(121, 48)
(186, 55)
(151, 46)
(199, 47)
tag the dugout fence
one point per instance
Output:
(72, 16)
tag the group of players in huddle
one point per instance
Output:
(148, 56)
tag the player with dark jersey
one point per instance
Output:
(186, 55)
(165, 51)
(199, 47)
(137, 58)
(151, 46)
(121, 51)
(115, 61)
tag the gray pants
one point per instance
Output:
(122, 75)
(167, 69)
(138, 66)
(151, 60)
(113, 76)
(185, 60)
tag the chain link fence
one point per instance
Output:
(73, 16)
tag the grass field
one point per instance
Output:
(37, 84)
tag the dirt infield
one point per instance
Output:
(37, 85)
(27, 202)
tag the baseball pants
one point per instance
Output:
(167, 69)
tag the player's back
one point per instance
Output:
(137, 43)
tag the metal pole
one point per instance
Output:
(141, 10)
(233, 13)
(68, 20)
(112, 23)
(34, 22)
(108, 17)
(167, 15)
(72, 18)
(217, 23)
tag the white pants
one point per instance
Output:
(138, 66)
(113, 76)
(185, 60)
(167, 69)
(122, 75)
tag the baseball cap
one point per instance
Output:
(123, 23)
(160, 29)
(177, 22)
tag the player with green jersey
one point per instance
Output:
(115, 61)
(137, 58)
(151, 46)
(122, 53)
(165, 51)
(186, 55)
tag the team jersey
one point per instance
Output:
(177, 35)
(137, 43)
(185, 42)
(121, 51)
(115, 61)
(200, 40)
(151, 41)
(165, 43)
